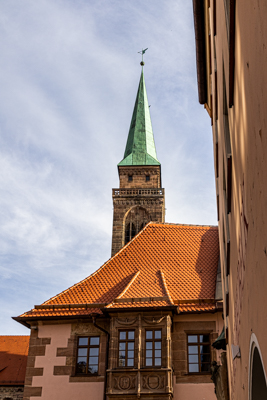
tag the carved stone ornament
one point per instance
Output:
(153, 320)
(153, 382)
(124, 382)
(126, 321)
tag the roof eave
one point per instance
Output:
(199, 23)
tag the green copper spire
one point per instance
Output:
(140, 147)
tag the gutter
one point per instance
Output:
(199, 23)
(107, 351)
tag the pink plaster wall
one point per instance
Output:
(59, 387)
(191, 391)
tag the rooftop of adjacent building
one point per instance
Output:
(13, 359)
(163, 266)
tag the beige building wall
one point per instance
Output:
(240, 161)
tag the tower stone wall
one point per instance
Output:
(139, 200)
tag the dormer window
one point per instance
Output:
(147, 178)
(130, 178)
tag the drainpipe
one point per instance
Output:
(107, 351)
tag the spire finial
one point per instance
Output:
(142, 52)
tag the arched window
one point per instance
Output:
(135, 220)
(258, 382)
(130, 232)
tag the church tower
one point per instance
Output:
(140, 197)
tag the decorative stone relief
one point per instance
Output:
(124, 382)
(153, 321)
(126, 321)
(153, 382)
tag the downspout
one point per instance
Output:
(107, 351)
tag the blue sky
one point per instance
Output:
(69, 72)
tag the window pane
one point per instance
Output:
(93, 369)
(82, 352)
(130, 346)
(157, 334)
(148, 362)
(149, 334)
(157, 353)
(148, 353)
(157, 345)
(130, 354)
(122, 335)
(94, 351)
(204, 349)
(93, 360)
(83, 341)
(157, 361)
(204, 338)
(192, 338)
(193, 359)
(205, 367)
(193, 368)
(130, 335)
(121, 362)
(149, 345)
(122, 354)
(122, 346)
(205, 358)
(81, 367)
(130, 362)
(82, 360)
(192, 350)
(94, 341)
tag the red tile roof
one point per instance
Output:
(164, 265)
(13, 359)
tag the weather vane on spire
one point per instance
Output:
(142, 52)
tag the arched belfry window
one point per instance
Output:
(130, 232)
(136, 219)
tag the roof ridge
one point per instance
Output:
(165, 286)
(14, 336)
(129, 284)
(182, 224)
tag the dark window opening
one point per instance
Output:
(147, 178)
(198, 352)
(126, 348)
(153, 348)
(130, 178)
(130, 232)
(87, 355)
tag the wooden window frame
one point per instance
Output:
(198, 344)
(153, 340)
(88, 347)
(126, 341)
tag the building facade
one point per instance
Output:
(231, 38)
(141, 326)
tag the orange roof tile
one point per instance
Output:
(13, 359)
(162, 265)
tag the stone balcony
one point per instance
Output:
(137, 192)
